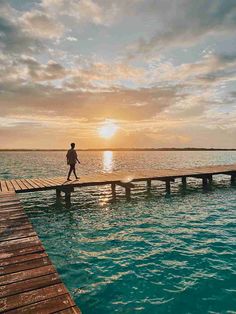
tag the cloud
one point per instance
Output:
(92, 90)
(27, 69)
(86, 11)
(184, 22)
(211, 70)
(116, 104)
(41, 25)
(14, 40)
(43, 72)
(49, 79)
(71, 38)
(105, 74)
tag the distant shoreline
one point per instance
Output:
(122, 149)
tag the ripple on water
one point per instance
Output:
(152, 255)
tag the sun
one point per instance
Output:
(108, 129)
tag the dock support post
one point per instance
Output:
(113, 190)
(127, 193)
(210, 179)
(233, 178)
(67, 191)
(204, 183)
(168, 190)
(184, 182)
(58, 193)
(67, 197)
(127, 186)
(149, 184)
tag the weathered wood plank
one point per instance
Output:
(11, 234)
(39, 183)
(4, 208)
(22, 251)
(14, 223)
(27, 274)
(21, 258)
(8, 201)
(26, 183)
(48, 182)
(28, 281)
(42, 182)
(32, 183)
(19, 215)
(17, 244)
(29, 284)
(72, 310)
(21, 184)
(11, 211)
(10, 186)
(4, 187)
(13, 268)
(15, 185)
(29, 297)
(48, 306)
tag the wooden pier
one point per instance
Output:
(125, 179)
(28, 281)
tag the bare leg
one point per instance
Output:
(69, 173)
(75, 172)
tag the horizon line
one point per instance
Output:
(124, 149)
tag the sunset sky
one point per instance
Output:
(159, 73)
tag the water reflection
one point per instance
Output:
(107, 161)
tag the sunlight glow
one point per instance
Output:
(107, 161)
(108, 129)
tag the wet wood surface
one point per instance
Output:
(29, 283)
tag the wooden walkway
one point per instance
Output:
(125, 179)
(28, 281)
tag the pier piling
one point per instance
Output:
(168, 189)
(204, 183)
(149, 184)
(58, 193)
(184, 182)
(113, 190)
(210, 179)
(128, 193)
(233, 178)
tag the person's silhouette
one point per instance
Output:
(72, 158)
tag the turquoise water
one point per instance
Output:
(155, 254)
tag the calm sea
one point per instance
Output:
(155, 254)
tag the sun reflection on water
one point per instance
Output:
(108, 161)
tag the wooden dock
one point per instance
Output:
(125, 179)
(28, 281)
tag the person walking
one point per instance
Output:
(72, 158)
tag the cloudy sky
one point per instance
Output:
(162, 71)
